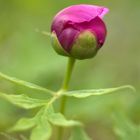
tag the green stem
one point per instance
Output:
(65, 85)
(67, 77)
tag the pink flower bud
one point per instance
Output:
(79, 31)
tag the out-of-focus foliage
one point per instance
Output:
(125, 129)
(28, 55)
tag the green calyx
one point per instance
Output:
(85, 46)
(57, 46)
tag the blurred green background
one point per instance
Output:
(28, 55)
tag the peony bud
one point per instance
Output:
(79, 31)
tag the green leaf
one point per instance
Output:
(23, 124)
(60, 120)
(23, 101)
(124, 128)
(79, 134)
(43, 129)
(93, 92)
(25, 84)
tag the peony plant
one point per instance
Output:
(77, 32)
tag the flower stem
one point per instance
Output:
(67, 77)
(65, 85)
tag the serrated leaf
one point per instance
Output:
(79, 134)
(94, 92)
(25, 84)
(42, 131)
(23, 101)
(23, 124)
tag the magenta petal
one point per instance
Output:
(96, 26)
(81, 13)
(104, 12)
(76, 14)
(99, 28)
(58, 25)
(67, 38)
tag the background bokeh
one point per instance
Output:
(28, 55)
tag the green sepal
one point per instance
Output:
(85, 46)
(57, 46)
